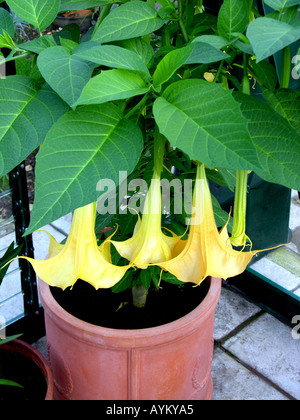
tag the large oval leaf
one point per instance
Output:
(281, 4)
(204, 121)
(276, 142)
(111, 85)
(287, 103)
(268, 36)
(130, 20)
(26, 115)
(111, 56)
(83, 147)
(40, 13)
(233, 17)
(6, 22)
(67, 74)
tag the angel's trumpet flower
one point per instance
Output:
(208, 252)
(80, 257)
(149, 245)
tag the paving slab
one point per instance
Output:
(232, 381)
(231, 311)
(267, 346)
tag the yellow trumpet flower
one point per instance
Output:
(208, 252)
(149, 245)
(80, 257)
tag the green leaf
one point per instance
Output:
(265, 73)
(26, 115)
(38, 45)
(40, 13)
(111, 56)
(204, 121)
(290, 14)
(286, 102)
(112, 85)
(124, 284)
(276, 142)
(221, 216)
(6, 22)
(281, 4)
(10, 338)
(7, 382)
(6, 41)
(213, 40)
(9, 255)
(192, 54)
(67, 74)
(141, 48)
(170, 278)
(268, 36)
(130, 20)
(80, 4)
(232, 17)
(70, 31)
(83, 147)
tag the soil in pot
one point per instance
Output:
(18, 368)
(114, 310)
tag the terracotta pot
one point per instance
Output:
(169, 362)
(26, 350)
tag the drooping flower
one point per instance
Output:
(80, 257)
(207, 252)
(149, 245)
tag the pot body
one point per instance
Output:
(35, 356)
(169, 362)
(83, 19)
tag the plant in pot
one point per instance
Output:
(24, 373)
(135, 118)
(78, 12)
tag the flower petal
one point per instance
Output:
(207, 252)
(80, 257)
(149, 245)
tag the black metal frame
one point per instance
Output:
(20, 207)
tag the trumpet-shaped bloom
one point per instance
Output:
(80, 257)
(207, 252)
(149, 245)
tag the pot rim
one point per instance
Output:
(74, 326)
(32, 353)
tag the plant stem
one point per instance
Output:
(159, 152)
(139, 296)
(285, 68)
(216, 79)
(181, 24)
(139, 106)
